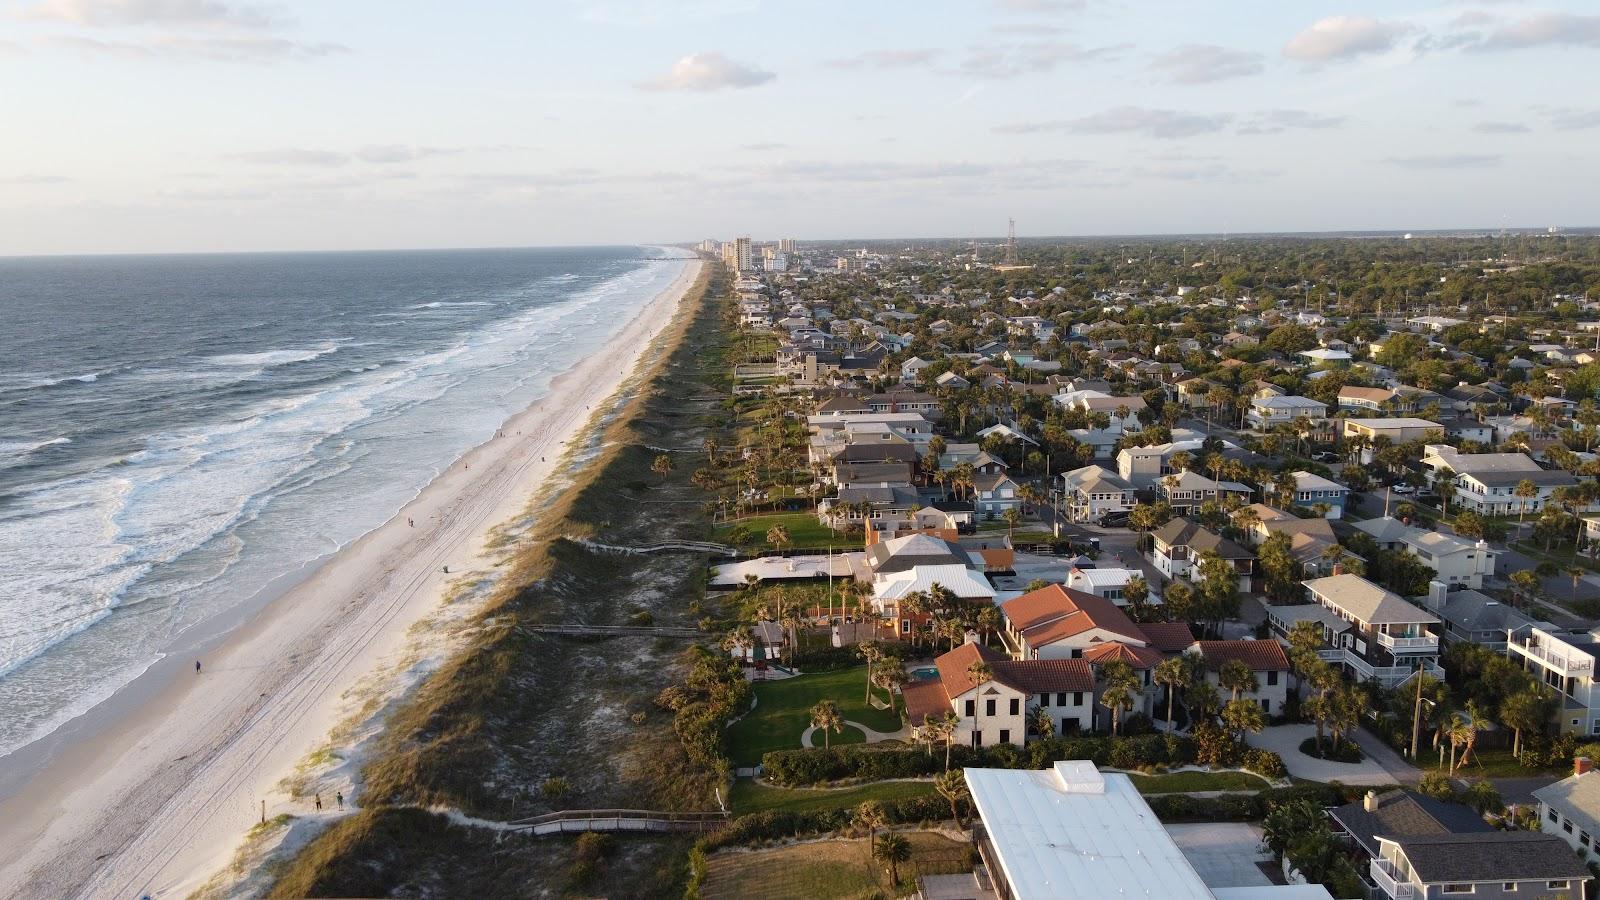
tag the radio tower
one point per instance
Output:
(1011, 242)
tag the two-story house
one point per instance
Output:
(1057, 622)
(1503, 865)
(1487, 482)
(1311, 490)
(1383, 636)
(1566, 662)
(1178, 545)
(1091, 492)
(1397, 813)
(1266, 660)
(1186, 490)
(999, 709)
(1456, 561)
(1272, 410)
(994, 494)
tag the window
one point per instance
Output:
(1014, 710)
(1005, 735)
(1567, 826)
(1044, 699)
(988, 707)
(1459, 888)
(1583, 838)
(972, 711)
(1272, 679)
(1553, 816)
(1556, 885)
(1061, 699)
(1077, 698)
(1510, 887)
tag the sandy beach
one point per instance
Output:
(156, 789)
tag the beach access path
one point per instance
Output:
(160, 797)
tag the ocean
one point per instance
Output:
(180, 434)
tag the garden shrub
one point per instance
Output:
(1265, 763)
(1347, 752)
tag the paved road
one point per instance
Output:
(1393, 763)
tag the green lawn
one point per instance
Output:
(749, 797)
(1497, 764)
(804, 531)
(783, 712)
(1189, 782)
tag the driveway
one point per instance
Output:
(1223, 853)
(1393, 763)
(1285, 741)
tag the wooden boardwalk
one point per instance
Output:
(580, 630)
(577, 821)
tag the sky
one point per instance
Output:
(224, 125)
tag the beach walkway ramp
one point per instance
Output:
(577, 821)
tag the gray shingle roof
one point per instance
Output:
(1403, 813)
(1494, 856)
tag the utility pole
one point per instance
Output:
(1416, 716)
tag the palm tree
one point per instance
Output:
(871, 816)
(979, 672)
(952, 786)
(738, 642)
(892, 850)
(1237, 677)
(711, 451)
(1458, 732)
(825, 716)
(1244, 716)
(1121, 685)
(1043, 725)
(989, 620)
(662, 464)
(1012, 517)
(1136, 592)
(871, 652)
(946, 726)
(1576, 574)
(790, 619)
(1524, 491)
(1172, 672)
(778, 536)
(889, 679)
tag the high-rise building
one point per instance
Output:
(743, 261)
(777, 262)
(786, 245)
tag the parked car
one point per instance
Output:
(1404, 489)
(1324, 456)
(1114, 520)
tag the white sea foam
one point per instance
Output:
(200, 519)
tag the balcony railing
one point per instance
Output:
(1559, 661)
(1383, 875)
(1394, 642)
(1388, 675)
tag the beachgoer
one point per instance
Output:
(410, 521)
(197, 667)
(319, 803)
(340, 797)
(447, 570)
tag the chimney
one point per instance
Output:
(1581, 765)
(1436, 595)
(1370, 801)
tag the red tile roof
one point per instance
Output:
(953, 667)
(1054, 612)
(1038, 676)
(1138, 657)
(1168, 637)
(923, 699)
(1261, 656)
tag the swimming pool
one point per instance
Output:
(926, 673)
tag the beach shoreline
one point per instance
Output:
(155, 789)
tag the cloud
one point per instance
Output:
(1012, 60)
(708, 71)
(185, 13)
(1155, 123)
(34, 179)
(1501, 128)
(1544, 30)
(292, 156)
(1342, 37)
(886, 59)
(180, 48)
(1203, 63)
(1273, 121)
(1575, 120)
(1447, 161)
(393, 153)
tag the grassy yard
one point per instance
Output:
(749, 797)
(783, 712)
(1500, 764)
(1189, 782)
(824, 870)
(804, 531)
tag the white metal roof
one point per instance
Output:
(1072, 831)
(960, 580)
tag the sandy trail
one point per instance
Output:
(159, 799)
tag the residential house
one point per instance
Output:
(1179, 544)
(1570, 810)
(950, 381)
(1275, 409)
(1383, 638)
(1498, 864)
(1000, 709)
(1565, 661)
(1313, 490)
(1266, 660)
(1398, 813)
(1057, 622)
(1487, 482)
(1456, 561)
(1090, 492)
(1309, 539)
(993, 494)
(911, 370)
(1473, 617)
(1397, 430)
(1325, 358)
(1185, 490)
(1107, 583)
(890, 590)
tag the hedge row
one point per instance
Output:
(1238, 807)
(797, 768)
(774, 824)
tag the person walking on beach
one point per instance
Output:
(197, 667)
(319, 802)
(339, 795)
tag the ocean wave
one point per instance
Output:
(269, 358)
(13, 452)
